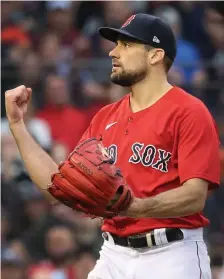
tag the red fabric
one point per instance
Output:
(14, 34)
(66, 123)
(91, 111)
(177, 128)
(197, 154)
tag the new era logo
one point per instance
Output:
(156, 40)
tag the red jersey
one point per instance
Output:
(158, 149)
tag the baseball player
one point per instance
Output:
(166, 145)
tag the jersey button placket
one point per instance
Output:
(130, 119)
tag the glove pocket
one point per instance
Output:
(80, 185)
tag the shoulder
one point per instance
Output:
(183, 107)
(193, 114)
(184, 101)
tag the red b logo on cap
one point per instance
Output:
(128, 21)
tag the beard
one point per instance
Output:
(128, 78)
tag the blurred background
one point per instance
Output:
(54, 48)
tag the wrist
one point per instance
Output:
(135, 209)
(16, 125)
(18, 130)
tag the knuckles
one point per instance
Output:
(18, 90)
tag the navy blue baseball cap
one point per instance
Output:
(146, 29)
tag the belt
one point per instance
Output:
(153, 238)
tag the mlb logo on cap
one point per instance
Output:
(128, 21)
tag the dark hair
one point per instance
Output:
(166, 61)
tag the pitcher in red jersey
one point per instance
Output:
(165, 142)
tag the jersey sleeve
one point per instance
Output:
(198, 147)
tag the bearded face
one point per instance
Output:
(129, 62)
(128, 77)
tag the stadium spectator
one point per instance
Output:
(187, 70)
(58, 112)
(212, 51)
(12, 267)
(61, 251)
(84, 263)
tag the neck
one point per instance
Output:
(148, 91)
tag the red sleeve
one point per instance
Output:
(198, 146)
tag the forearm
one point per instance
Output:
(38, 163)
(178, 202)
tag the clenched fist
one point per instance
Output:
(16, 103)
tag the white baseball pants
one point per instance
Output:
(185, 259)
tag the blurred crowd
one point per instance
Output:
(54, 48)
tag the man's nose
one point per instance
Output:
(114, 52)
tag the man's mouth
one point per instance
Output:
(115, 65)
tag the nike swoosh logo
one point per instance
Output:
(109, 125)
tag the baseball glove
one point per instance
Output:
(89, 182)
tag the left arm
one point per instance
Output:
(198, 168)
(186, 200)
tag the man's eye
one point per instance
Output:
(126, 44)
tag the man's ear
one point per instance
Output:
(156, 55)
